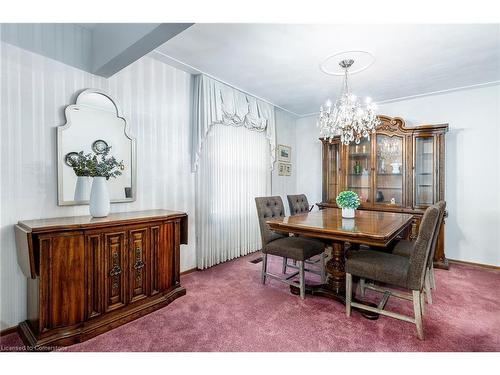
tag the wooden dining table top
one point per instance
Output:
(375, 228)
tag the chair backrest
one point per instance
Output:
(298, 204)
(267, 208)
(441, 205)
(422, 249)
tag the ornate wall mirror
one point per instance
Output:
(93, 124)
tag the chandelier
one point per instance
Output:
(349, 118)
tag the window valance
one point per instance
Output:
(217, 103)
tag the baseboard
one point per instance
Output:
(489, 266)
(8, 331)
(189, 271)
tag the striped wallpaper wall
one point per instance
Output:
(285, 134)
(154, 98)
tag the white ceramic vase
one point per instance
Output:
(99, 198)
(395, 168)
(82, 188)
(348, 213)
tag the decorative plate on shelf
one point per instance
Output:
(70, 158)
(99, 146)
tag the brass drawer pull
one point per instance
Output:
(138, 264)
(115, 271)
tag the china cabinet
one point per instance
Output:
(398, 169)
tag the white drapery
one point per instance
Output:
(232, 171)
(233, 147)
(217, 103)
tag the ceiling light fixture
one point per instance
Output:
(348, 118)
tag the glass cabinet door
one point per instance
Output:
(389, 173)
(331, 180)
(359, 170)
(424, 171)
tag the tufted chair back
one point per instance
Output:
(298, 204)
(267, 208)
(423, 248)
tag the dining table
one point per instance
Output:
(376, 229)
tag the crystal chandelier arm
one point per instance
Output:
(348, 118)
(345, 87)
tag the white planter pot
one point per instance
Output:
(82, 188)
(348, 213)
(99, 198)
(348, 224)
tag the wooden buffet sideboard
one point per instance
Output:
(399, 169)
(89, 275)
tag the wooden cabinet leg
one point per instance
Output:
(335, 267)
(440, 260)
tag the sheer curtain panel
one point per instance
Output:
(233, 150)
(233, 170)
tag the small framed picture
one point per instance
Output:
(284, 153)
(284, 169)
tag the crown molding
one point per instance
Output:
(431, 93)
(402, 98)
(193, 70)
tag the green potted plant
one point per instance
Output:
(348, 201)
(101, 168)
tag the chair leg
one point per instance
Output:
(348, 293)
(323, 268)
(302, 281)
(428, 292)
(264, 268)
(417, 307)
(285, 260)
(362, 287)
(422, 301)
(433, 280)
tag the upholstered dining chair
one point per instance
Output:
(405, 248)
(299, 249)
(396, 270)
(299, 204)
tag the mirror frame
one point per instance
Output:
(60, 156)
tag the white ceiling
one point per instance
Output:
(88, 26)
(280, 62)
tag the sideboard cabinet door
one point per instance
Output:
(156, 238)
(139, 263)
(62, 280)
(115, 270)
(95, 262)
(166, 256)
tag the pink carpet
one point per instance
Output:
(227, 309)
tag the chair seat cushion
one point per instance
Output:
(319, 242)
(378, 266)
(297, 248)
(403, 248)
